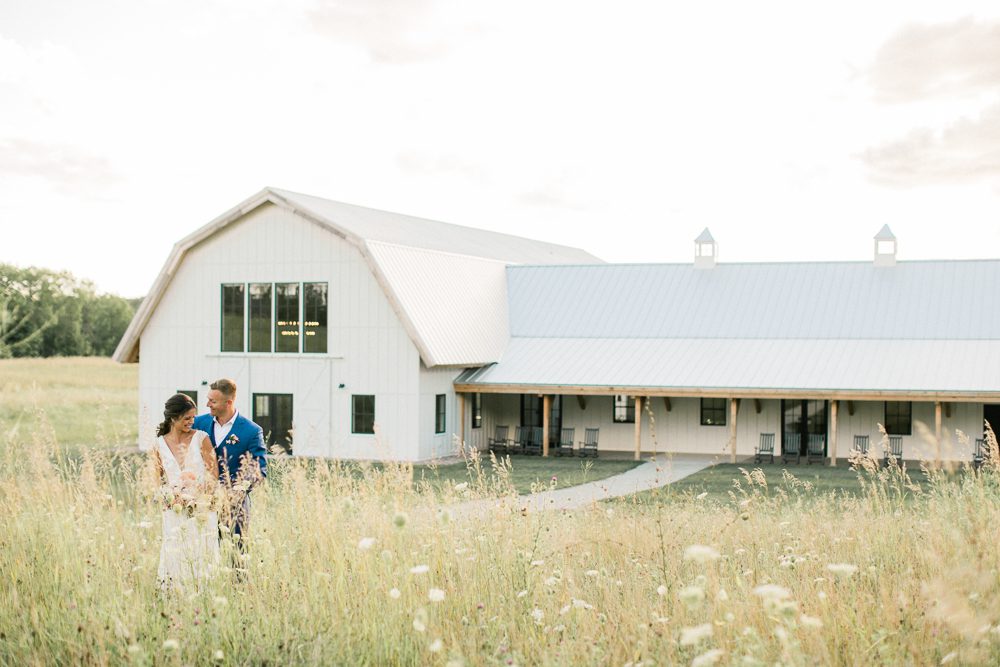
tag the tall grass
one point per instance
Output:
(368, 569)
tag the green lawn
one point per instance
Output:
(529, 473)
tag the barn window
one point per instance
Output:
(232, 318)
(190, 393)
(273, 412)
(439, 415)
(362, 413)
(898, 417)
(286, 317)
(314, 317)
(477, 410)
(624, 409)
(713, 412)
(260, 317)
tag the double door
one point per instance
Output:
(801, 419)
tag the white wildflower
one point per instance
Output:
(842, 569)
(661, 590)
(551, 581)
(722, 595)
(394, 593)
(702, 495)
(145, 524)
(521, 594)
(692, 594)
(366, 543)
(810, 621)
(538, 615)
(591, 573)
(220, 601)
(772, 592)
(218, 656)
(171, 644)
(700, 553)
(564, 610)
(435, 595)
(695, 635)
(419, 569)
(462, 487)
(580, 604)
(435, 646)
(536, 563)
(708, 658)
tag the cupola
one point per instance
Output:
(885, 247)
(706, 250)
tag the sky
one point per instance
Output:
(792, 132)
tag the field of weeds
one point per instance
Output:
(365, 567)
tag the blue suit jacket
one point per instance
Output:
(244, 437)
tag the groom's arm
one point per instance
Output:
(256, 449)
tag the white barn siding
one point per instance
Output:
(434, 381)
(180, 345)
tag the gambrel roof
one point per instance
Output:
(446, 283)
(832, 328)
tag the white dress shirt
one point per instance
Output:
(222, 430)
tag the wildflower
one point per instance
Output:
(218, 656)
(366, 543)
(700, 553)
(661, 590)
(810, 621)
(538, 615)
(580, 604)
(145, 524)
(702, 495)
(821, 595)
(435, 646)
(419, 569)
(171, 644)
(462, 487)
(564, 610)
(521, 594)
(134, 649)
(692, 594)
(536, 563)
(394, 593)
(420, 620)
(591, 573)
(842, 569)
(435, 595)
(722, 595)
(695, 635)
(772, 592)
(220, 601)
(551, 581)
(708, 658)
(399, 520)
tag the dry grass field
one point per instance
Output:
(361, 566)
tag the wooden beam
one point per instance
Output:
(461, 418)
(757, 405)
(666, 403)
(638, 426)
(833, 432)
(716, 392)
(546, 408)
(582, 400)
(733, 406)
(937, 433)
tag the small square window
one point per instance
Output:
(624, 409)
(362, 414)
(898, 417)
(713, 412)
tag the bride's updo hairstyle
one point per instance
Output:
(174, 408)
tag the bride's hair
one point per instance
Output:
(175, 407)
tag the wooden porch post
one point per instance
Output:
(546, 407)
(732, 429)
(833, 432)
(937, 432)
(638, 425)
(461, 418)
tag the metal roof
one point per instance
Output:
(703, 365)
(956, 300)
(917, 327)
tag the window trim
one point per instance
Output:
(629, 408)
(440, 413)
(713, 409)
(355, 413)
(909, 423)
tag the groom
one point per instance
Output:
(239, 448)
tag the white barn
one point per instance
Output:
(368, 332)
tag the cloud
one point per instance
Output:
(551, 196)
(966, 151)
(65, 167)
(391, 31)
(924, 61)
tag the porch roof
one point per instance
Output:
(851, 369)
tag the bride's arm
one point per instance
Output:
(211, 463)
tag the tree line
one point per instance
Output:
(46, 313)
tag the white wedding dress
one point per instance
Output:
(189, 552)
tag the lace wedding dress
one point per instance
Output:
(189, 552)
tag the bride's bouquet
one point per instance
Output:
(188, 498)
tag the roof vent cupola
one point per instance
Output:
(885, 247)
(706, 250)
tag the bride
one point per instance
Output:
(188, 472)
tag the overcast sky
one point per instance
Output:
(624, 128)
